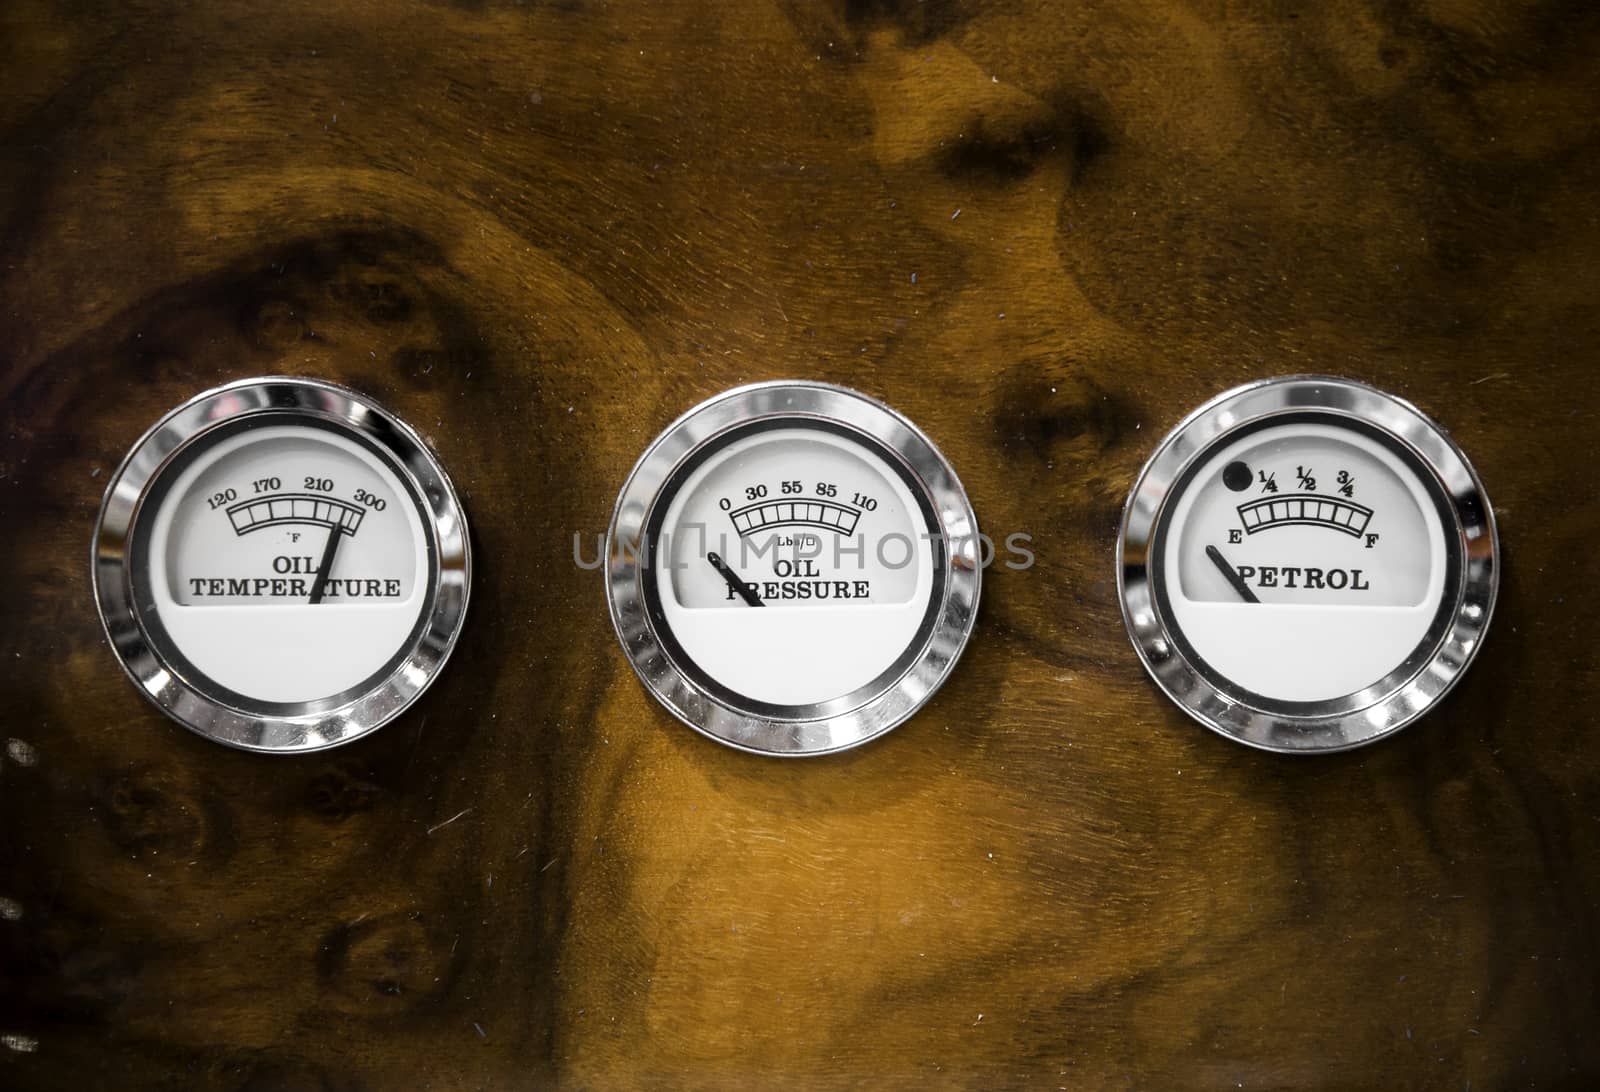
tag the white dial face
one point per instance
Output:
(794, 566)
(1304, 562)
(285, 563)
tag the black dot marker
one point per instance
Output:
(1237, 477)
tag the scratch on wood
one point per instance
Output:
(447, 822)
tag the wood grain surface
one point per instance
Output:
(1044, 231)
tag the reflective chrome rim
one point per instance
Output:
(186, 699)
(831, 726)
(1387, 706)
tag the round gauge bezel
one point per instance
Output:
(708, 706)
(1439, 658)
(164, 675)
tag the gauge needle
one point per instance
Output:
(1233, 577)
(334, 535)
(733, 580)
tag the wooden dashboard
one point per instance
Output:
(1044, 232)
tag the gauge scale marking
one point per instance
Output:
(295, 567)
(1307, 564)
(782, 576)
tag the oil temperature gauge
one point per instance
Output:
(793, 568)
(1307, 564)
(280, 565)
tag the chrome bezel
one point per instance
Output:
(319, 727)
(1388, 705)
(815, 729)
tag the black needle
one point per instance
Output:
(1233, 577)
(334, 535)
(733, 580)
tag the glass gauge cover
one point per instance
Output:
(281, 565)
(1307, 564)
(793, 568)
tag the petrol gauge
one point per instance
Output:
(1307, 564)
(281, 565)
(793, 568)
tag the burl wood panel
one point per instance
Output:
(1045, 231)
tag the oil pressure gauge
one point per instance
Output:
(1307, 564)
(793, 568)
(281, 565)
